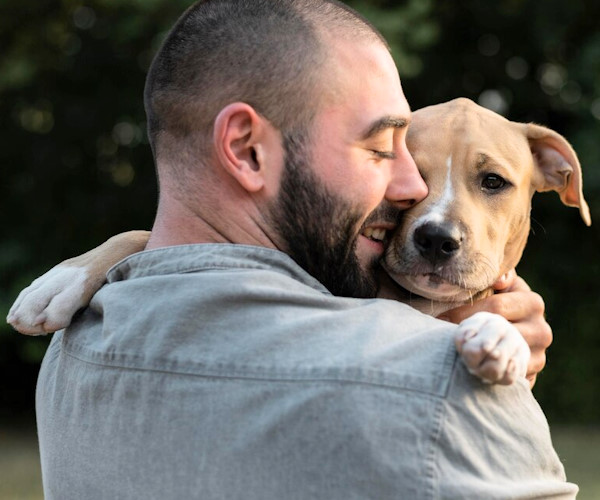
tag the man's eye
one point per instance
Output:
(493, 182)
(386, 155)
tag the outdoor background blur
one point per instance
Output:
(76, 167)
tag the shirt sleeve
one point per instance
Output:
(495, 442)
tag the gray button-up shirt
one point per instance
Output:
(227, 372)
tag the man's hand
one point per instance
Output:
(515, 301)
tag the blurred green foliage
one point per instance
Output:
(76, 167)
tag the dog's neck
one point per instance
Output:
(389, 289)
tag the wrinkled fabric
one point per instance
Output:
(227, 372)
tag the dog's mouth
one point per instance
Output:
(434, 285)
(435, 280)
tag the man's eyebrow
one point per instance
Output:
(385, 123)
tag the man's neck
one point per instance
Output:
(176, 224)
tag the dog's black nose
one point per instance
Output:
(437, 242)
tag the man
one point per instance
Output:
(228, 369)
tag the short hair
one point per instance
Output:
(269, 54)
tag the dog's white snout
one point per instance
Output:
(437, 242)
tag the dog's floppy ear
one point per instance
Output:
(555, 159)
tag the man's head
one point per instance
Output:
(282, 124)
(269, 54)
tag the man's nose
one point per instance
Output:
(406, 187)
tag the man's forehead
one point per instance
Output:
(347, 57)
(358, 71)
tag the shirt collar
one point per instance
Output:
(209, 256)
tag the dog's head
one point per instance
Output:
(482, 171)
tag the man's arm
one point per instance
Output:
(495, 443)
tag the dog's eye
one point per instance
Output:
(493, 182)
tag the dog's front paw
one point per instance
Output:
(492, 348)
(49, 303)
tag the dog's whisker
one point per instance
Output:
(539, 224)
(485, 268)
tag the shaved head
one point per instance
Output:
(270, 54)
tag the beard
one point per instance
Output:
(320, 229)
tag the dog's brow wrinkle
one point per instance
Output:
(482, 159)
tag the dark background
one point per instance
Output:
(76, 167)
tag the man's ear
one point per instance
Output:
(238, 143)
(559, 166)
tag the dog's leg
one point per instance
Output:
(50, 302)
(492, 348)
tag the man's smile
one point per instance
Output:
(376, 236)
(375, 233)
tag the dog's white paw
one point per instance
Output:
(49, 303)
(492, 348)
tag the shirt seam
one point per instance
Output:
(439, 419)
(295, 378)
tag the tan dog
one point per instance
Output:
(482, 171)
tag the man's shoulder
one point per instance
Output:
(262, 323)
(370, 342)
